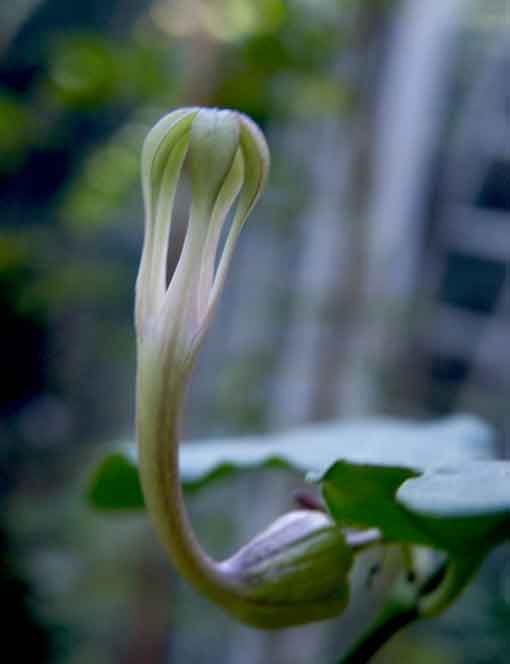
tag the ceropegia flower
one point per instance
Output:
(296, 570)
(228, 159)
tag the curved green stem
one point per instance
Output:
(158, 408)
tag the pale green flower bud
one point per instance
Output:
(228, 162)
(300, 565)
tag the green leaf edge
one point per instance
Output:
(293, 452)
(120, 466)
(457, 533)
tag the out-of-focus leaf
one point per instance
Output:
(236, 19)
(64, 285)
(115, 484)
(462, 508)
(460, 504)
(17, 128)
(84, 70)
(384, 441)
(89, 70)
(109, 175)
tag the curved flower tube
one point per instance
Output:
(296, 571)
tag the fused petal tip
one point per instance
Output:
(228, 160)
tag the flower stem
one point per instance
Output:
(158, 423)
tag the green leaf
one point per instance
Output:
(461, 505)
(364, 496)
(461, 509)
(464, 510)
(115, 484)
(312, 448)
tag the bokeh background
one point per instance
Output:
(372, 278)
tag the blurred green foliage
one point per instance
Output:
(17, 132)
(87, 71)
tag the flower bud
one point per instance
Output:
(228, 160)
(299, 566)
